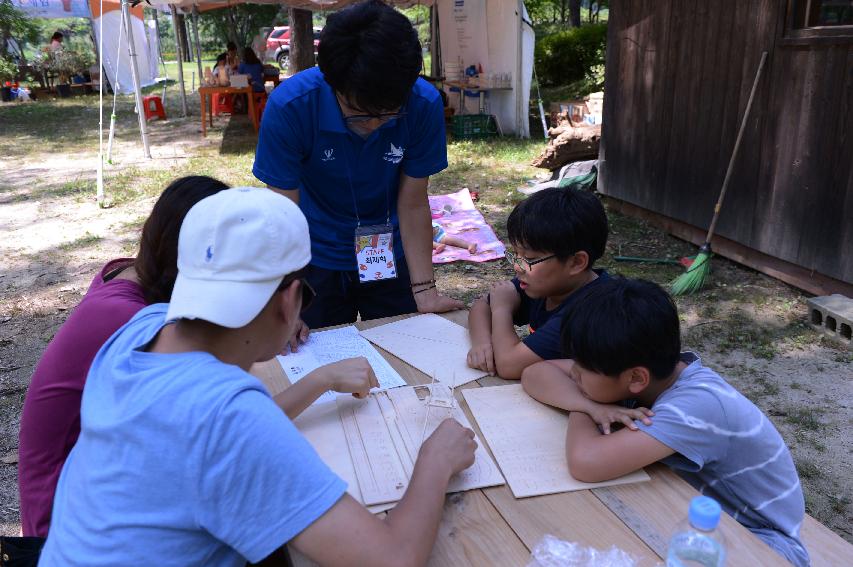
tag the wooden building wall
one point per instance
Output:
(677, 81)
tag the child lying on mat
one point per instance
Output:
(440, 239)
(624, 338)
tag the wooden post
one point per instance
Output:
(180, 57)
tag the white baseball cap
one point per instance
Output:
(234, 249)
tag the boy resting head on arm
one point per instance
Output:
(623, 336)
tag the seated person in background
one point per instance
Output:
(624, 338)
(220, 62)
(181, 446)
(55, 41)
(252, 66)
(232, 57)
(557, 235)
(440, 239)
(50, 422)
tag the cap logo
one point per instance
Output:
(208, 255)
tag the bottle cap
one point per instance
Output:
(704, 513)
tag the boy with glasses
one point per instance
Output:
(183, 458)
(556, 236)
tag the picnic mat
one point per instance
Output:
(456, 213)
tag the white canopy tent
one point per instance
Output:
(493, 34)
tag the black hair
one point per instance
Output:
(231, 46)
(560, 221)
(370, 53)
(620, 323)
(57, 36)
(156, 264)
(221, 58)
(249, 57)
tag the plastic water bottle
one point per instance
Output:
(698, 543)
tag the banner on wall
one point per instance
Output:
(465, 39)
(53, 8)
(118, 70)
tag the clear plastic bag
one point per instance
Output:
(555, 552)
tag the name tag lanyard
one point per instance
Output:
(374, 244)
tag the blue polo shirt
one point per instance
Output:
(305, 144)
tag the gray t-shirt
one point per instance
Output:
(728, 450)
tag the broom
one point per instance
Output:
(692, 280)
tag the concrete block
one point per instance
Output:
(833, 314)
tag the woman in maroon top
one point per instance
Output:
(50, 423)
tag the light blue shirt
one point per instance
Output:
(728, 450)
(304, 143)
(182, 460)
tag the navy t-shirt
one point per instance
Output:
(305, 144)
(544, 325)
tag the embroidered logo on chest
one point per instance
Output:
(328, 155)
(395, 154)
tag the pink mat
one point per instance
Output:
(458, 216)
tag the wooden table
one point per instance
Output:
(473, 88)
(207, 94)
(490, 527)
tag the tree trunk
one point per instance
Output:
(183, 37)
(301, 40)
(232, 28)
(575, 13)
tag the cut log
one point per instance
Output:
(569, 141)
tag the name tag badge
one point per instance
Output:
(374, 253)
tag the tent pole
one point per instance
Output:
(197, 45)
(520, 111)
(131, 49)
(180, 58)
(99, 192)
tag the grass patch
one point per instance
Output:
(808, 470)
(87, 239)
(806, 419)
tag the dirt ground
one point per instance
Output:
(749, 327)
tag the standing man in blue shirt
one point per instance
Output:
(354, 142)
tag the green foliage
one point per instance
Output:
(248, 19)
(66, 63)
(8, 69)
(571, 55)
(16, 25)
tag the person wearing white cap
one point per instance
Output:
(184, 459)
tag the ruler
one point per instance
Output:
(638, 524)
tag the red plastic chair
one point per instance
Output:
(222, 103)
(260, 104)
(155, 110)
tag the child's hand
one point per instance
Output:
(482, 357)
(605, 414)
(351, 376)
(504, 294)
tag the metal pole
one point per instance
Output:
(131, 49)
(197, 45)
(180, 56)
(100, 174)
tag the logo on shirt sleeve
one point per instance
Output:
(394, 155)
(328, 155)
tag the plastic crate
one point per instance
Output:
(473, 126)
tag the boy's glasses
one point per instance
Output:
(524, 263)
(308, 293)
(384, 118)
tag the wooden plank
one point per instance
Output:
(812, 282)
(654, 510)
(572, 516)
(825, 547)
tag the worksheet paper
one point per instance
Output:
(326, 347)
(432, 344)
(528, 440)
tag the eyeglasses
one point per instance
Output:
(308, 293)
(524, 263)
(384, 117)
